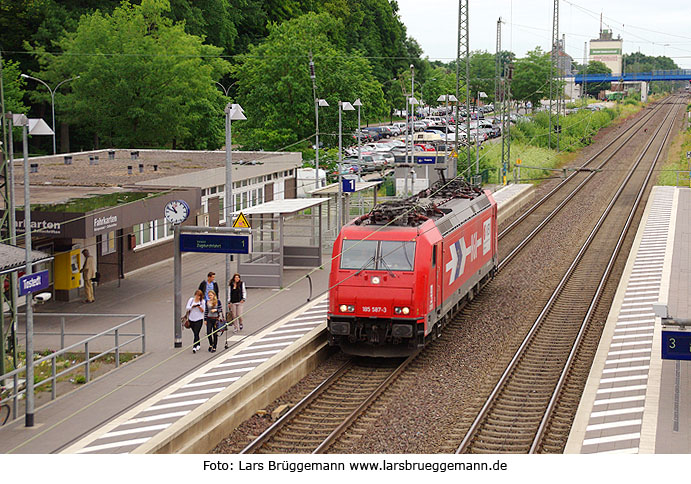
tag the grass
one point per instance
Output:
(83, 205)
(43, 370)
(677, 161)
(529, 143)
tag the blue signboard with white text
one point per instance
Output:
(676, 345)
(215, 243)
(348, 185)
(426, 160)
(33, 282)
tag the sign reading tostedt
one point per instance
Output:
(33, 282)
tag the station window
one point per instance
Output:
(152, 231)
(221, 209)
(108, 243)
(244, 200)
(212, 190)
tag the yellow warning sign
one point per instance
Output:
(241, 222)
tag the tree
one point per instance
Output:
(275, 88)
(144, 81)
(13, 87)
(594, 68)
(531, 77)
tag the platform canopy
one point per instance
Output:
(284, 233)
(13, 258)
(288, 206)
(332, 189)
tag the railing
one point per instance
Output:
(15, 393)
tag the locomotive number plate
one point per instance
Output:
(373, 309)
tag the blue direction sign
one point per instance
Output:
(426, 160)
(676, 345)
(222, 244)
(348, 185)
(33, 282)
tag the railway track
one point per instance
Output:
(331, 417)
(320, 418)
(518, 415)
(521, 231)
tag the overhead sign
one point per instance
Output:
(426, 160)
(348, 185)
(676, 345)
(215, 243)
(688, 155)
(241, 222)
(33, 282)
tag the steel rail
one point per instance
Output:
(470, 434)
(561, 205)
(638, 125)
(598, 293)
(309, 398)
(341, 429)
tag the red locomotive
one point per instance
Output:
(400, 272)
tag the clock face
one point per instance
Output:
(176, 211)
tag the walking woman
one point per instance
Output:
(196, 307)
(236, 298)
(214, 312)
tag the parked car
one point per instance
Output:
(395, 130)
(375, 135)
(384, 131)
(419, 125)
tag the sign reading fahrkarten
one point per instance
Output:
(33, 282)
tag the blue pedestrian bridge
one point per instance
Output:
(674, 75)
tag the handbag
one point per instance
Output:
(185, 319)
(221, 325)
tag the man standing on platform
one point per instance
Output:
(89, 272)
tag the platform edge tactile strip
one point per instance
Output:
(607, 421)
(218, 374)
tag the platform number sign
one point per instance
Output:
(348, 185)
(676, 345)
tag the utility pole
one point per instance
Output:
(585, 73)
(553, 67)
(313, 76)
(463, 48)
(506, 121)
(498, 70)
(7, 230)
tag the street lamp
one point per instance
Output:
(480, 94)
(358, 103)
(319, 103)
(226, 90)
(234, 112)
(446, 98)
(52, 98)
(342, 106)
(38, 128)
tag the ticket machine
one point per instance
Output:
(67, 275)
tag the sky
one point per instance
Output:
(662, 30)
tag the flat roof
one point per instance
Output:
(332, 189)
(13, 258)
(284, 207)
(171, 166)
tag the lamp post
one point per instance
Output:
(446, 98)
(317, 104)
(342, 106)
(480, 94)
(52, 98)
(358, 103)
(226, 90)
(233, 112)
(23, 121)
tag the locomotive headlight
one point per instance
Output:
(376, 280)
(343, 308)
(347, 308)
(397, 310)
(351, 309)
(401, 310)
(405, 310)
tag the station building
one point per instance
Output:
(112, 201)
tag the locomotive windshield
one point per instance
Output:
(386, 255)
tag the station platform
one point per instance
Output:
(634, 401)
(160, 394)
